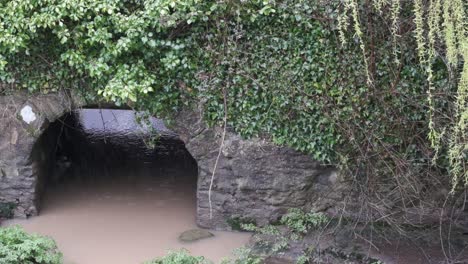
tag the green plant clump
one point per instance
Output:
(236, 223)
(19, 247)
(243, 255)
(301, 222)
(179, 257)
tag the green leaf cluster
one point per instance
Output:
(179, 257)
(302, 222)
(273, 239)
(19, 247)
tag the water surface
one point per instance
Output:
(125, 217)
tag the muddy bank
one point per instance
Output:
(358, 244)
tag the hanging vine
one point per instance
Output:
(436, 22)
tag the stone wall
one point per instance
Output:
(22, 120)
(255, 180)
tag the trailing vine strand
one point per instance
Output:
(446, 22)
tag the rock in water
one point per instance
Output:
(194, 235)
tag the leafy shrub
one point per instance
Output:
(179, 257)
(19, 247)
(297, 223)
(265, 230)
(302, 259)
(301, 222)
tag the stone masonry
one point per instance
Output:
(255, 179)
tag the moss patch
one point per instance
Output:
(7, 210)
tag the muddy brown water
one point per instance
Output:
(110, 198)
(125, 217)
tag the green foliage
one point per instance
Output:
(276, 242)
(243, 256)
(155, 55)
(179, 257)
(264, 230)
(121, 50)
(237, 223)
(18, 247)
(7, 210)
(301, 222)
(274, 69)
(297, 223)
(303, 259)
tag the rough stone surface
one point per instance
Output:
(255, 180)
(22, 121)
(194, 235)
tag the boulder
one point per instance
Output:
(194, 235)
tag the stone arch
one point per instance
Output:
(255, 180)
(24, 118)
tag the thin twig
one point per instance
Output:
(219, 153)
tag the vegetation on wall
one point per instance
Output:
(7, 210)
(377, 87)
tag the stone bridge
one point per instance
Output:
(255, 180)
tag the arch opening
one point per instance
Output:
(109, 191)
(90, 148)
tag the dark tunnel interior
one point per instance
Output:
(96, 147)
